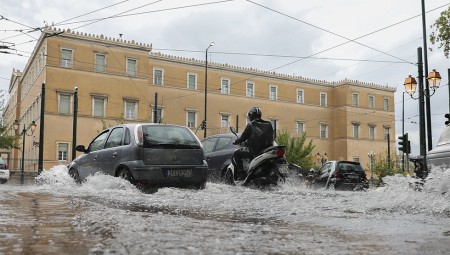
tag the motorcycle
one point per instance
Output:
(311, 177)
(265, 170)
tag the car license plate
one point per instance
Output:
(173, 173)
(283, 169)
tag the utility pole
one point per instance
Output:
(75, 118)
(155, 109)
(41, 132)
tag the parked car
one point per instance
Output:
(218, 152)
(4, 172)
(156, 155)
(339, 175)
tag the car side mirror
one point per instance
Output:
(80, 148)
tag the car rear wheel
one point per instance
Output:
(74, 174)
(125, 174)
(2, 181)
(201, 185)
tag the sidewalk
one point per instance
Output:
(29, 176)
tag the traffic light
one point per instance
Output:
(447, 122)
(203, 125)
(403, 143)
(408, 148)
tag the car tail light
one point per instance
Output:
(6, 166)
(281, 152)
(338, 174)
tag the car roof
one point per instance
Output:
(221, 135)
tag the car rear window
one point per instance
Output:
(163, 135)
(351, 167)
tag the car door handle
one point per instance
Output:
(114, 154)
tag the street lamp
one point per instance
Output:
(410, 84)
(206, 89)
(24, 133)
(322, 158)
(371, 155)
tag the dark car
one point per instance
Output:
(341, 175)
(155, 155)
(218, 152)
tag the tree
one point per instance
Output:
(441, 33)
(382, 168)
(297, 150)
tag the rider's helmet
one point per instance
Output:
(254, 113)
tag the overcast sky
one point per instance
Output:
(385, 34)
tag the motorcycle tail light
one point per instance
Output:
(281, 152)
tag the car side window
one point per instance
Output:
(127, 139)
(115, 138)
(98, 142)
(325, 168)
(208, 144)
(222, 143)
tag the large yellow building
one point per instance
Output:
(117, 80)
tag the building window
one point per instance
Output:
(100, 63)
(192, 81)
(64, 103)
(371, 133)
(98, 106)
(225, 86)
(371, 102)
(323, 131)
(191, 119)
(158, 75)
(66, 58)
(323, 99)
(386, 104)
(63, 151)
(159, 114)
(130, 109)
(225, 121)
(387, 132)
(250, 91)
(355, 99)
(273, 92)
(355, 130)
(300, 96)
(131, 67)
(300, 127)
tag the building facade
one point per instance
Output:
(124, 81)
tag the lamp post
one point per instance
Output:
(206, 89)
(410, 84)
(24, 133)
(322, 158)
(371, 155)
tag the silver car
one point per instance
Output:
(4, 172)
(155, 155)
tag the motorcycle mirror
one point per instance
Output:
(233, 131)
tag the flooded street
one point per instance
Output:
(107, 215)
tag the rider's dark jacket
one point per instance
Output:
(259, 136)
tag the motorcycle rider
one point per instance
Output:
(258, 134)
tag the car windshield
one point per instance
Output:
(350, 167)
(155, 135)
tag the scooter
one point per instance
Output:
(267, 169)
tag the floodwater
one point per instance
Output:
(108, 215)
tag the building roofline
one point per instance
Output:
(268, 74)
